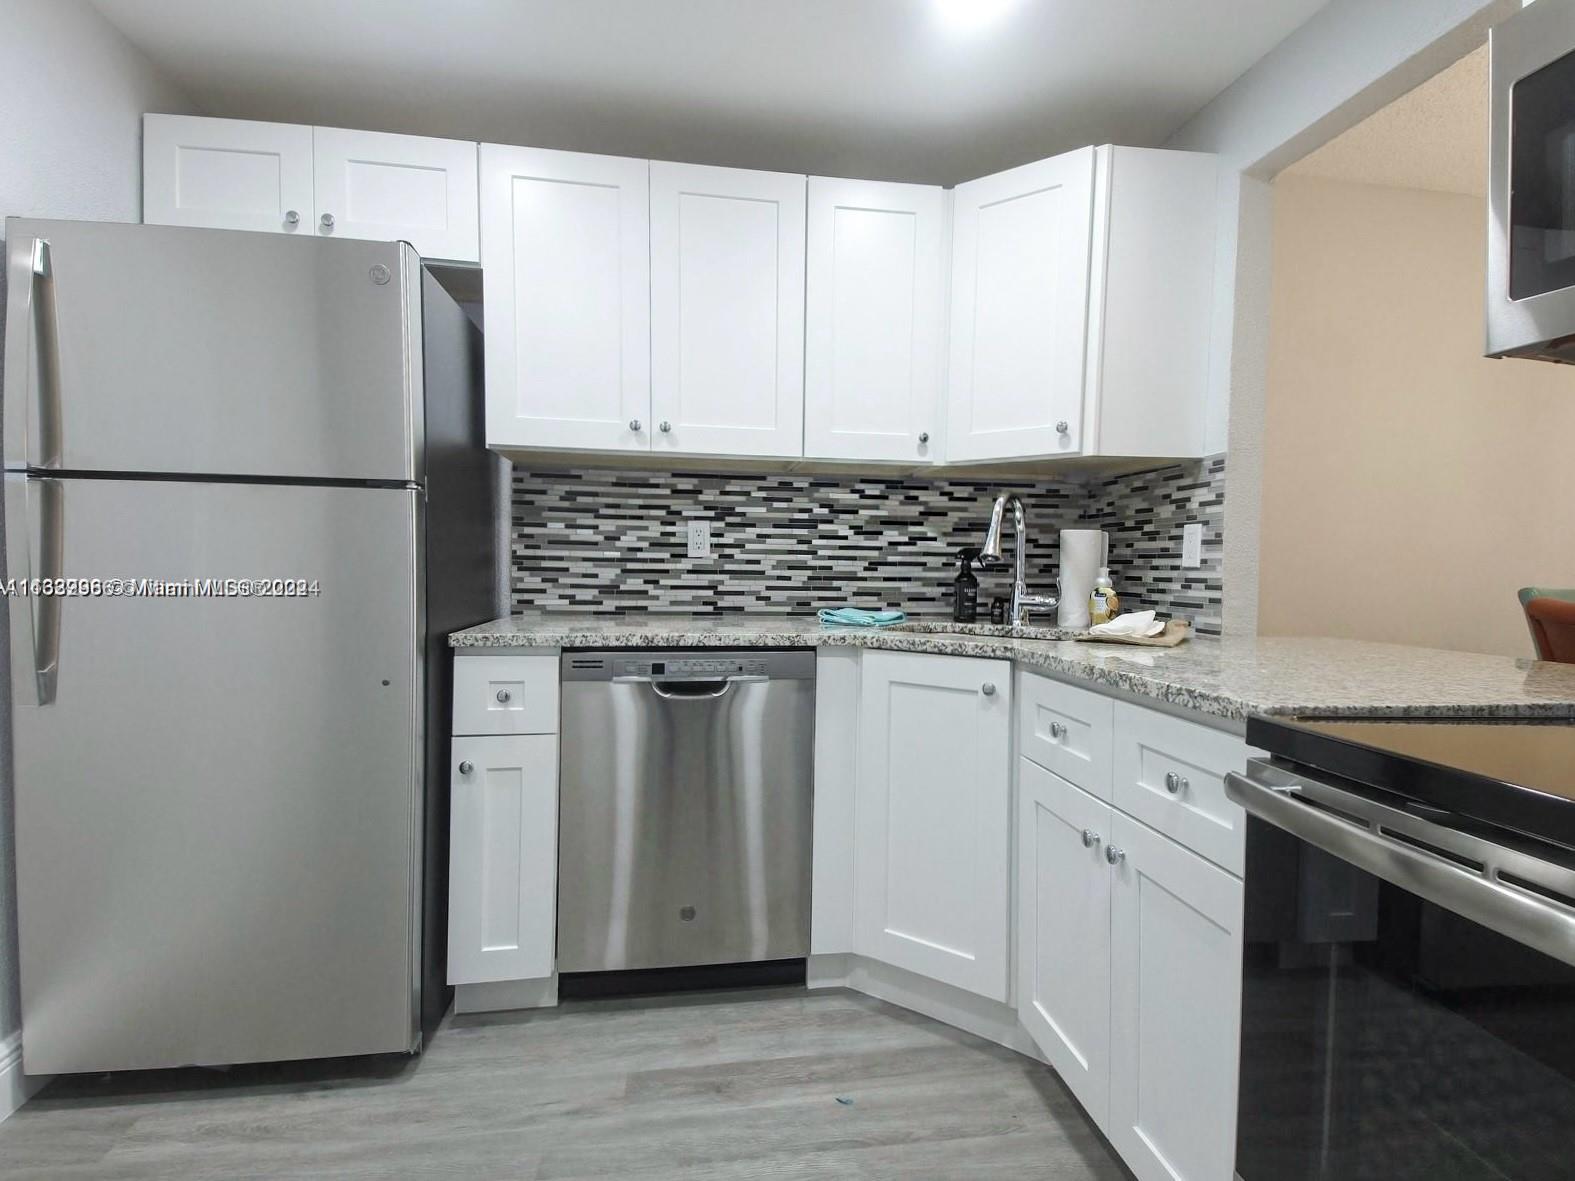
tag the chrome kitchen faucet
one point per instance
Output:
(990, 555)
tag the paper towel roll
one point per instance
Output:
(1082, 554)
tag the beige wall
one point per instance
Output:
(1410, 485)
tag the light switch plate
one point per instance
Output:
(1192, 545)
(699, 539)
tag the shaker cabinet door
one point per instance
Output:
(566, 272)
(1175, 975)
(503, 858)
(226, 174)
(406, 188)
(727, 311)
(932, 827)
(874, 330)
(1063, 930)
(1020, 285)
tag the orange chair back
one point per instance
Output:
(1552, 628)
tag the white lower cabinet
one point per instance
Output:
(932, 823)
(503, 857)
(1063, 917)
(1175, 1009)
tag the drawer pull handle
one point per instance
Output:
(1114, 855)
(1175, 784)
(466, 767)
(504, 696)
(1090, 838)
(1057, 731)
(988, 688)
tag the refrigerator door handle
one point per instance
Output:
(33, 426)
(43, 603)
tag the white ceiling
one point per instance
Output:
(876, 88)
(1434, 137)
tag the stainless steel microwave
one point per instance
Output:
(1531, 186)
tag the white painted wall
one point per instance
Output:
(1350, 59)
(72, 94)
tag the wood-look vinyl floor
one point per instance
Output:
(701, 1087)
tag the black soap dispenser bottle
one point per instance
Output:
(965, 588)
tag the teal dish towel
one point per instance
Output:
(854, 617)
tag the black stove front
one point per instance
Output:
(1408, 1001)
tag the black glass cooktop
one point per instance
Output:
(1512, 774)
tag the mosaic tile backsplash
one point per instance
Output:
(606, 540)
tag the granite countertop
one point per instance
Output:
(1229, 679)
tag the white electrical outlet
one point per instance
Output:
(1192, 545)
(699, 539)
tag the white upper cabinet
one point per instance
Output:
(874, 330)
(225, 174)
(409, 188)
(231, 174)
(565, 251)
(1081, 295)
(1020, 268)
(932, 818)
(727, 311)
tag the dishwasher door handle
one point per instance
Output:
(713, 690)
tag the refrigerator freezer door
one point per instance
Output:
(216, 821)
(166, 349)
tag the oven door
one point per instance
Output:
(1408, 999)
(1531, 185)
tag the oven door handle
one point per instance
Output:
(1482, 897)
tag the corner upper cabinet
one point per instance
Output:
(1082, 288)
(226, 174)
(409, 188)
(727, 311)
(874, 321)
(565, 253)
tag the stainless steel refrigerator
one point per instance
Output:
(231, 809)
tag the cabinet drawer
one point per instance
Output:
(505, 695)
(1066, 730)
(1170, 774)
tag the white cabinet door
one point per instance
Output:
(565, 254)
(727, 311)
(1020, 273)
(408, 188)
(932, 825)
(1175, 1009)
(1063, 931)
(226, 174)
(503, 858)
(873, 333)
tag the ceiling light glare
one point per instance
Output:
(970, 16)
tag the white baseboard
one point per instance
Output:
(15, 1087)
(977, 1015)
(506, 994)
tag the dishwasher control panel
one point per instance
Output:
(688, 665)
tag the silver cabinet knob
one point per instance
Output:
(1090, 838)
(1175, 784)
(988, 688)
(924, 436)
(664, 426)
(326, 221)
(1114, 855)
(466, 767)
(634, 424)
(1062, 427)
(504, 696)
(1057, 731)
(291, 217)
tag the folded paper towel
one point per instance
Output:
(1133, 623)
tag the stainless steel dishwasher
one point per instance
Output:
(684, 818)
